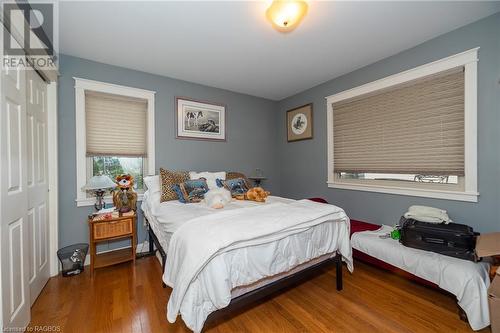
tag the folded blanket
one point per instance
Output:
(427, 214)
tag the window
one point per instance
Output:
(114, 133)
(412, 133)
(116, 165)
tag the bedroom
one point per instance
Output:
(243, 91)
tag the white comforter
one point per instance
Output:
(210, 255)
(467, 280)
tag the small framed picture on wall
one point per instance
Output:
(200, 120)
(299, 125)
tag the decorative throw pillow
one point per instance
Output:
(236, 186)
(234, 175)
(191, 190)
(152, 183)
(210, 177)
(168, 179)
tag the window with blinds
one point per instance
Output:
(116, 135)
(414, 129)
(115, 125)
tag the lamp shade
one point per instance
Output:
(99, 183)
(285, 15)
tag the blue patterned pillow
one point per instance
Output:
(236, 186)
(191, 190)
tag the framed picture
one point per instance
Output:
(200, 120)
(299, 125)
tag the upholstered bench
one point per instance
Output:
(467, 280)
(358, 226)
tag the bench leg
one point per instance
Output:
(338, 265)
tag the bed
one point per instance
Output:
(218, 260)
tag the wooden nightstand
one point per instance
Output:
(115, 228)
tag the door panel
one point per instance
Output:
(14, 146)
(17, 285)
(38, 191)
(13, 200)
(41, 151)
(42, 232)
(32, 243)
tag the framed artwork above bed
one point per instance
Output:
(200, 120)
(299, 123)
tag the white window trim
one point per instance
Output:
(82, 85)
(469, 60)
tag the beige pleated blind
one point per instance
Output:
(412, 128)
(115, 125)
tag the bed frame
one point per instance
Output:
(240, 302)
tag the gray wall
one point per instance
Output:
(305, 174)
(251, 135)
(256, 135)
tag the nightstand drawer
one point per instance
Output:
(112, 228)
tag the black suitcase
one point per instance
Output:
(453, 239)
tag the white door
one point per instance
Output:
(14, 200)
(38, 227)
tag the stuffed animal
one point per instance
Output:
(124, 196)
(217, 198)
(254, 194)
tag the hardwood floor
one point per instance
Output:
(125, 298)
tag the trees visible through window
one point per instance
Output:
(115, 165)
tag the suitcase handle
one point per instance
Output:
(434, 240)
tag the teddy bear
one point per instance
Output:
(124, 196)
(254, 194)
(217, 198)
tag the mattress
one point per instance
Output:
(170, 222)
(166, 217)
(158, 229)
(241, 290)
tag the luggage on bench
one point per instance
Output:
(453, 239)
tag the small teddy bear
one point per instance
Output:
(254, 194)
(124, 196)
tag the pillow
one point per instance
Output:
(210, 177)
(168, 179)
(191, 190)
(152, 183)
(237, 186)
(234, 175)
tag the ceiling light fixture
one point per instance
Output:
(285, 15)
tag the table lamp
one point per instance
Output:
(258, 177)
(99, 185)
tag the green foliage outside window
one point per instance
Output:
(114, 166)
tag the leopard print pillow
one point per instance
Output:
(168, 179)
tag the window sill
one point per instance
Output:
(85, 202)
(415, 192)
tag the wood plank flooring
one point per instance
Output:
(127, 298)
